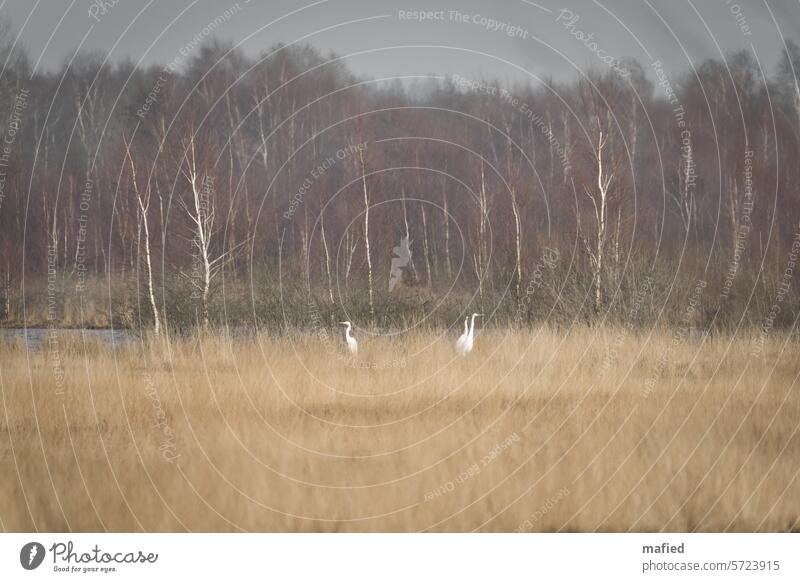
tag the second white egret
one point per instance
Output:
(352, 343)
(464, 343)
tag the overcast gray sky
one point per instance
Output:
(383, 42)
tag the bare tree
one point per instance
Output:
(201, 210)
(408, 229)
(446, 220)
(143, 200)
(683, 194)
(366, 231)
(596, 248)
(512, 174)
(479, 256)
(327, 255)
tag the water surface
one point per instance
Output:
(36, 337)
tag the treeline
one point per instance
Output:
(270, 189)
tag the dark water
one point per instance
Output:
(35, 337)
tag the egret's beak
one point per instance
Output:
(342, 323)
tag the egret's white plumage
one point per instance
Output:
(352, 344)
(464, 335)
(464, 343)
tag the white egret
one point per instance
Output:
(352, 344)
(464, 347)
(464, 335)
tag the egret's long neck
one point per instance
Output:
(347, 331)
(472, 326)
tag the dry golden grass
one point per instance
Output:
(535, 431)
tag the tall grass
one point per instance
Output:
(599, 428)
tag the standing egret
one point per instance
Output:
(352, 344)
(464, 335)
(464, 347)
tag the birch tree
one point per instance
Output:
(363, 168)
(201, 210)
(143, 200)
(596, 247)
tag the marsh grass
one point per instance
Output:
(540, 430)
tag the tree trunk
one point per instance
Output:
(515, 210)
(425, 247)
(327, 256)
(408, 230)
(366, 234)
(601, 212)
(149, 265)
(446, 216)
(517, 240)
(144, 205)
(481, 254)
